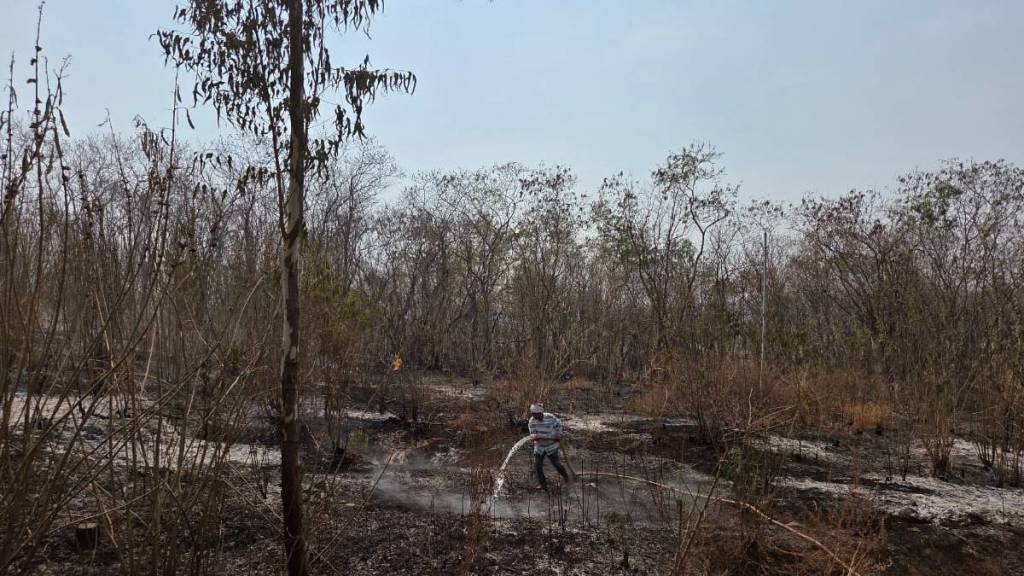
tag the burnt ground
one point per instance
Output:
(417, 499)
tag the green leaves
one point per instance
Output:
(239, 56)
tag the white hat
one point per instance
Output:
(536, 409)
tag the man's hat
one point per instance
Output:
(536, 409)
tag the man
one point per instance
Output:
(546, 430)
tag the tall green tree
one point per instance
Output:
(264, 65)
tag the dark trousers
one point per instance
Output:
(538, 464)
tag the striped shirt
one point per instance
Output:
(548, 431)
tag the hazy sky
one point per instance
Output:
(812, 96)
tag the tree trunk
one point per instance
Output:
(291, 468)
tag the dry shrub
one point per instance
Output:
(935, 410)
(849, 528)
(659, 387)
(998, 430)
(717, 550)
(481, 484)
(468, 422)
(578, 384)
(826, 398)
(659, 398)
(472, 428)
(865, 416)
(515, 394)
(811, 396)
(937, 437)
(720, 393)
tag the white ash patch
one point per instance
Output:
(48, 407)
(584, 423)
(962, 452)
(129, 442)
(964, 449)
(369, 416)
(188, 454)
(930, 499)
(448, 457)
(809, 449)
(44, 409)
(463, 390)
(597, 422)
(254, 455)
(678, 422)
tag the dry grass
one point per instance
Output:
(578, 384)
(937, 437)
(720, 393)
(867, 416)
(851, 527)
(468, 422)
(824, 399)
(659, 398)
(481, 482)
(998, 424)
(848, 538)
(516, 394)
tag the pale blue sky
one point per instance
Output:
(809, 96)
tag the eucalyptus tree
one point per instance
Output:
(265, 67)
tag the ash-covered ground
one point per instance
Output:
(418, 497)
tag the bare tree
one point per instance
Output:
(661, 233)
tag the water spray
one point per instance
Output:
(499, 479)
